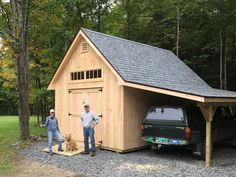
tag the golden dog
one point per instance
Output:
(70, 143)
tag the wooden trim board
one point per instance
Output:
(125, 151)
(166, 92)
(221, 100)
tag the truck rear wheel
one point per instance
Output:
(233, 143)
(157, 148)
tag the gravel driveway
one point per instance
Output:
(141, 163)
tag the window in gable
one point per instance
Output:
(99, 73)
(88, 74)
(95, 73)
(77, 75)
(91, 74)
(82, 74)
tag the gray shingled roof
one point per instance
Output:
(147, 65)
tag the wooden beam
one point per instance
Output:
(208, 144)
(208, 112)
(164, 91)
(219, 104)
(221, 100)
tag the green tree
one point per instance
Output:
(14, 29)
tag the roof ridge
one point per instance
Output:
(127, 40)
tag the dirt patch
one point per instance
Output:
(27, 168)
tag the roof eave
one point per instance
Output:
(51, 85)
(198, 98)
(165, 91)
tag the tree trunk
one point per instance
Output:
(233, 58)
(65, 26)
(22, 95)
(128, 17)
(177, 28)
(221, 60)
(99, 6)
(17, 30)
(22, 67)
(232, 62)
(37, 110)
(225, 65)
(42, 110)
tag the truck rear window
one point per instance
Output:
(157, 113)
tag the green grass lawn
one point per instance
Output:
(9, 133)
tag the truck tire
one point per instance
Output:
(233, 143)
(157, 150)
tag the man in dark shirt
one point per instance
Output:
(53, 131)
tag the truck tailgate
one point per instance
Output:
(164, 129)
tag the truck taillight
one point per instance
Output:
(188, 133)
(142, 128)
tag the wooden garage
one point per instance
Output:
(120, 79)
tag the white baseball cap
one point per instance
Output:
(52, 110)
(86, 105)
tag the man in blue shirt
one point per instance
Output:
(53, 130)
(89, 120)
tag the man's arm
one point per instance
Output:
(81, 120)
(57, 125)
(95, 118)
(46, 123)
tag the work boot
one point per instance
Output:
(93, 153)
(61, 150)
(85, 153)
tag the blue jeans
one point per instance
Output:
(89, 133)
(51, 134)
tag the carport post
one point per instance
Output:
(208, 113)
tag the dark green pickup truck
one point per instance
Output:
(175, 126)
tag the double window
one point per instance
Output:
(88, 74)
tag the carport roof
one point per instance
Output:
(151, 66)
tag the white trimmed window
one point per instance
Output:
(88, 74)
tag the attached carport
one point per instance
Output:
(207, 101)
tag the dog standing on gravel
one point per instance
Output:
(70, 143)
